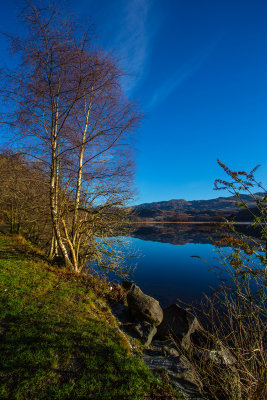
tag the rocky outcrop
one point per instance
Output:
(142, 306)
(181, 347)
(163, 356)
(179, 324)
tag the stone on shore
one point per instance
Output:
(145, 332)
(180, 371)
(179, 324)
(142, 306)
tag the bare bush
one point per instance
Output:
(232, 360)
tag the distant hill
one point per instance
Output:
(180, 210)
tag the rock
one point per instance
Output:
(167, 347)
(121, 312)
(145, 332)
(127, 285)
(179, 324)
(144, 307)
(223, 356)
(180, 371)
(209, 346)
(141, 330)
(209, 350)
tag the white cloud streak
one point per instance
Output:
(179, 77)
(133, 41)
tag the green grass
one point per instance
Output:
(55, 342)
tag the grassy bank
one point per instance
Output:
(58, 341)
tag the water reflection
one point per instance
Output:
(179, 233)
(167, 268)
(168, 272)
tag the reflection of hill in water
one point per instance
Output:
(177, 233)
(184, 233)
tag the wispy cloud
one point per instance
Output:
(133, 41)
(182, 74)
(127, 27)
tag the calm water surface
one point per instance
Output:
(168, 271)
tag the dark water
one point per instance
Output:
(169, 272)
(166, 267)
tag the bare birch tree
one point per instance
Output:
(68, 107)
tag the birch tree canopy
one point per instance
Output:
(68, 108)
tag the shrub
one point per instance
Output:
(236, 311)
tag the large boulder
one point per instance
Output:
(179, 324)
(142, 306)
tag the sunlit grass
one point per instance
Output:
(56, 343)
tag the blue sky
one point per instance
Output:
(199, 72)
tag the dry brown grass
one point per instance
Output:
(237, 328)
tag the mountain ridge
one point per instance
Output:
(181, 204)
(178, 210)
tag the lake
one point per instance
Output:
(166, 266)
